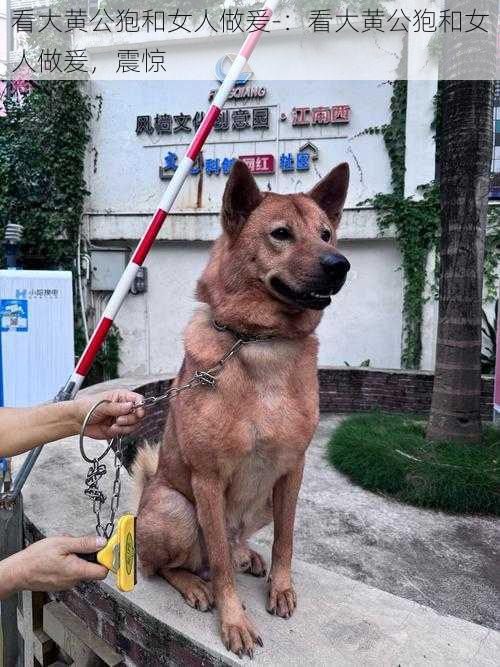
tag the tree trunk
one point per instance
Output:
(466, 153)
(465, 175)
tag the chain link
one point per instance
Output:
(98, 470)
(208, 377)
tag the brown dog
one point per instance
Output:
(233, 454)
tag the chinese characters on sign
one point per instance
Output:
(241, 119)
(257, 118)
(321, 115)
(229, 119)
(258, 164)
(301, 162)
(37, 293)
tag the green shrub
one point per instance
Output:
(389, 454)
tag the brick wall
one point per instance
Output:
(344, 389)
(153, 425)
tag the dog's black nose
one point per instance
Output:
(335, 265)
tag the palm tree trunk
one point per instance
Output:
(465, 175)
(466, 152)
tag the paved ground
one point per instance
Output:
(447, 562)
(350, 544)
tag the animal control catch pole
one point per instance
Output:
(125, 283)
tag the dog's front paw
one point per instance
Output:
(239, 634)
(281, 601)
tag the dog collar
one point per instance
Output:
(240, 335)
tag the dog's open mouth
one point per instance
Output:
(316, 298)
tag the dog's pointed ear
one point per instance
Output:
(330, 193)
(241, 197)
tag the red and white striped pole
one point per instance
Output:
(82, 368)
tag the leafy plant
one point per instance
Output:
(43, 140)
(389, 454)
(415, 222)
(105, 366)
(42, 151)
(492, 253)
(416, 225)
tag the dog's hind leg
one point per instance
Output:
(245, 559)
(248, 561)
(169, 543)
(168, 533)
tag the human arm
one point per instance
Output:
(21, 429)
(51, 564)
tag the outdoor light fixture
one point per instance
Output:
(11, 242)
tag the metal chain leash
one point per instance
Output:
(97, 470)
(208, 377)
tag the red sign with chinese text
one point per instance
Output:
(321, 115)
(259, 164)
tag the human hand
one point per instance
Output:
(52, 564)
(110, 419)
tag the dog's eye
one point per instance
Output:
(281, 234)
(326, 235)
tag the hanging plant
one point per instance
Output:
(42, 149)
(415, 223)
(416, 226)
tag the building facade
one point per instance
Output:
(291, 133)
(3, 37)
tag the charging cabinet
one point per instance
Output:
(36, 335)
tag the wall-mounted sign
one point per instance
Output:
(223, 65)
(320, 115)
(165, 123)
(257, 118)
(242, 118)
(242, 93)
(259, 164)
(310, 148)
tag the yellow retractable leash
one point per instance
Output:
(119, 554)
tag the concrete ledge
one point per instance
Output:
(339, 621)
(191, 225)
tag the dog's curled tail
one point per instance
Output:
(144, 467)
